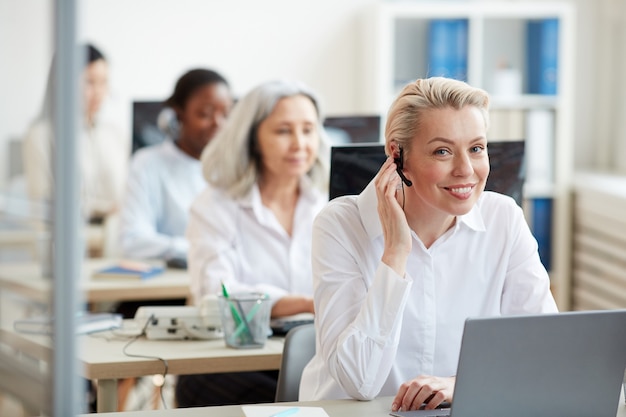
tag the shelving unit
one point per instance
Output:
(397, 52)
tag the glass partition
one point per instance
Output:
(40, 210)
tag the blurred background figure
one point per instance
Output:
(103, 155)
(163, 181)
(103, 152)
(165, 178)
(250, 229)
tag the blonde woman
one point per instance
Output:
(399, 268)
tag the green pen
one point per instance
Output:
(233, 310)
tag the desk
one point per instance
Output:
(378, 407)
(18, 233)
(23, 239)
(26, 279)
(103, 360)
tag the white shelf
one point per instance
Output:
(608, 183)
(544, 190)
(396, 52)
(523, 102)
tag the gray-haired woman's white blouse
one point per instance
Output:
(241, 243)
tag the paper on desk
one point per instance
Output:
(266, 411)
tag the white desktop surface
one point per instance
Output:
(102, 358)
(378, 407)
(26, 279)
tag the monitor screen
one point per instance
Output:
(508, 168)
(145, 127)
(352, 129)
(340, 129)
(352, 167)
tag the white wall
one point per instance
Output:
(25, 53)
(600, 88)
(150, 43)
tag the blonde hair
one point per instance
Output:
(406, 112)
(229, 161)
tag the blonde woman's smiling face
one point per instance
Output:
(447, 161)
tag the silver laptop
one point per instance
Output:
(568, 364)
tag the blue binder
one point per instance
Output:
(447, 48)
(542, 47)
(542, 229)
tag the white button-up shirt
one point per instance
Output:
(103, 154)
(162, 184)
(376, 329)
(240, 242)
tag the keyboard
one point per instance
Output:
(281, 325)
(442, 411)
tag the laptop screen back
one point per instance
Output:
(567, 364)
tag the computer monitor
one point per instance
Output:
(508, 168)
(340, 129)
(353, 129)
(145, 126)
(353, 166)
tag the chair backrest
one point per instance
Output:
(298, 350)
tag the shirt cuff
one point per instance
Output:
(178, 248)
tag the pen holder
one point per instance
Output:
(245, 319)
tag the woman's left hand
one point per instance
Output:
(425, 389)
(292, 304)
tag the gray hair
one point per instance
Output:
(405, 114)
(228, 161)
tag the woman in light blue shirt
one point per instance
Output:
(165, 178)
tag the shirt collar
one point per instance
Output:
(367, 203)
(253, 198)
(171, 146)
(474, 219)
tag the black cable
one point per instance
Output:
(132, 355)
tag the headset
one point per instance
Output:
(399, 161)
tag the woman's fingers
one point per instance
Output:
(429, 391)
(393, 221)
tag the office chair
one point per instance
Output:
(298, 350)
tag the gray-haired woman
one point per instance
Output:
(251, 228)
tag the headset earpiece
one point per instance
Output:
(399, 161)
